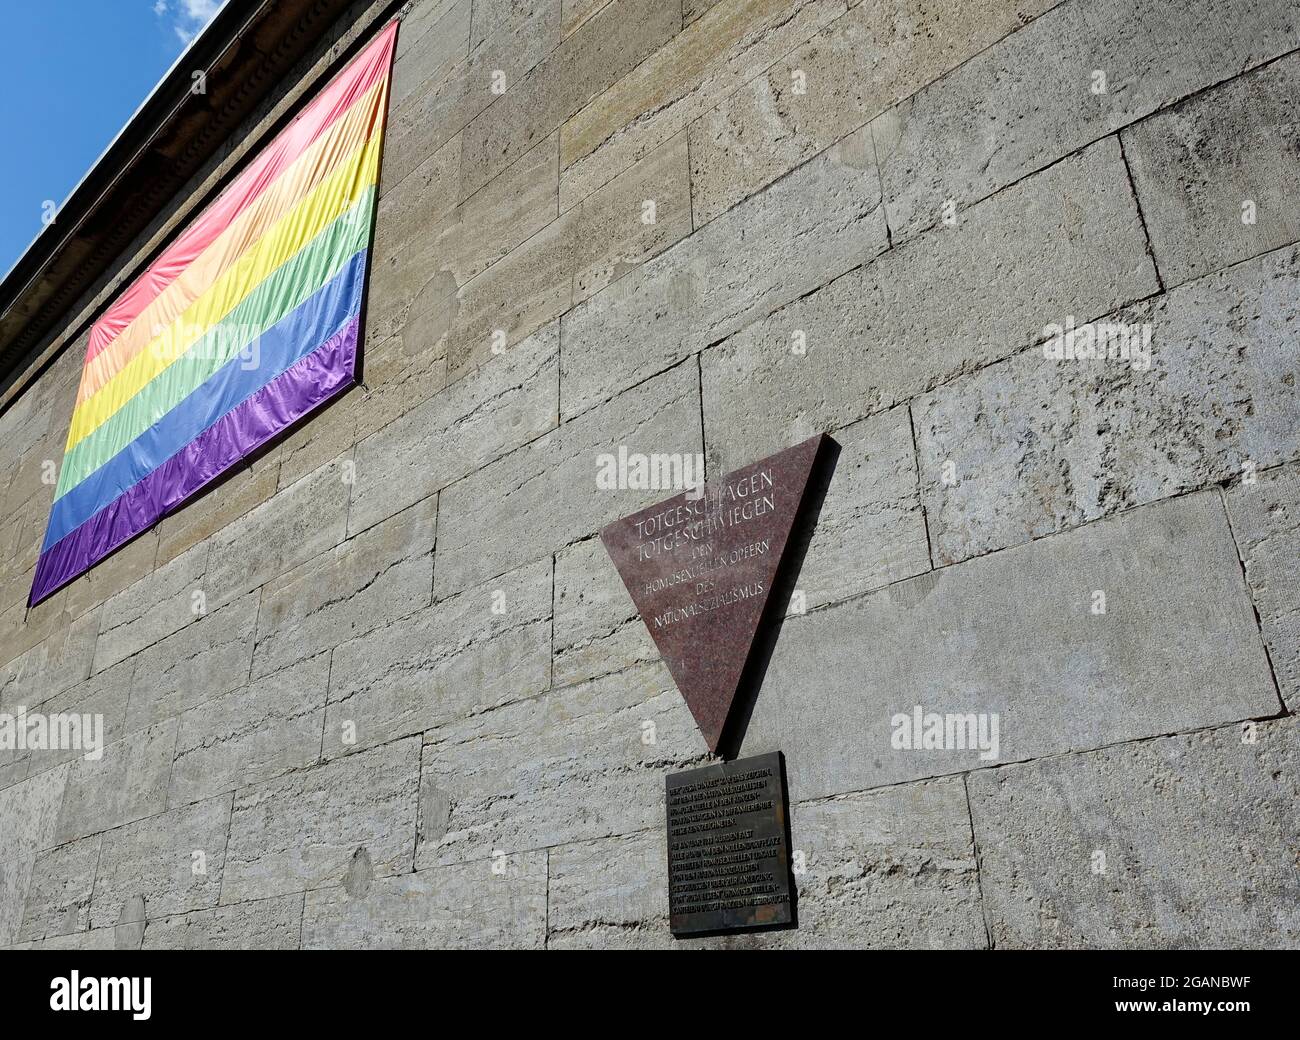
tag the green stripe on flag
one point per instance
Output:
(274, 297)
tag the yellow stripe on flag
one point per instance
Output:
(329, 151)
(331, 198)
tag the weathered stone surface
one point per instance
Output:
(103, 697)
(457, 241)
(544, 495)
(1265, 518)
(429, 48)
(95, 939)
(151, 609)
(14, 878)
(423, 16)
(398, 379)
(469, 653)
(300, 831)
(199, 662)
(597, 628)
(375, 578)
(1196, 165)
(323, 438)
(111, 575)
(505, 403)
(610, 893)
(574, 14)
(615, 232)
(234, 495)
(871, 530)
(891, 868)
(58, 898)
(1010, 110)
(59, 661)
(264, 924)
(129, 782)
(602, 52)
(252, 735)
(173, 861)
(508, 302)
(577, 763)
(500, 216)
(29, 814)
(815, 224)
(493, 16)
(437, 110)
(1068, 241)
(1014, 634)
(411, 220)
(682, 80)
(1184, 866)
(693, 9)
(573, 257)
(299, 523)
(1038, 444)
(850, 72)
(485, 903)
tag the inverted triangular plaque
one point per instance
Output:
(700, 570)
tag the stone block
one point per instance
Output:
(1036, 96)
(1145, 845)
(1014, 635)
(58, 897)
(264, 924)
(195, 664)
(1265, 519)
(816, 224)
(58, 662)
(1068, 241)
(577, 763)
(1038, 444)
(457, 906)
(437, 110)
(502, 405)
(1216, 175)
(172, 861)
(614, 42)
(371, 580)
(301, 831)
(469, 653)
(847, 74)
(597, 627)
(678, 82)
(152, 608)
(429, 48)
(128, 782)
(29, 814)
(299, 523)
(544, 495)
(14, 878)
(252, 735)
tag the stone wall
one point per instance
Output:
(383, 687)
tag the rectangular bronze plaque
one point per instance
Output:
(728, 847)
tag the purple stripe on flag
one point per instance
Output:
(283, 401)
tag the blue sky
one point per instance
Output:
(71, 74)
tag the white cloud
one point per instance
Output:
(188, 17)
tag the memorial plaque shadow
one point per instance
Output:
(787, 580)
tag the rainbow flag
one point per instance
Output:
(247, 322)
